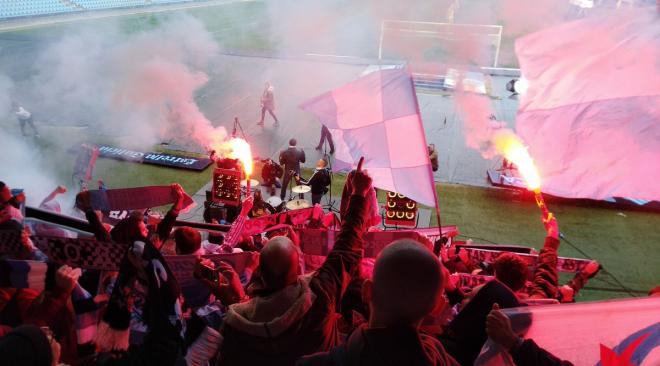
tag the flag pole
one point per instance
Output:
(421, 125)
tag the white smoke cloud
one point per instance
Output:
(136, 90)
(479, 124)
(6, 87)
(23, 167)
(518, 18)
(140, 87)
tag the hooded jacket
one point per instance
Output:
(300, 319)
(384, 347)
(466, 333)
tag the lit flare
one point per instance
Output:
(512, 148)
(240, 150)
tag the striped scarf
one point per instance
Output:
(25, 274)
(87, 314)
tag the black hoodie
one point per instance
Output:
(467, 332)
(384, 347)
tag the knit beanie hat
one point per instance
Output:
(26, 345)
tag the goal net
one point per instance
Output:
(447, 43)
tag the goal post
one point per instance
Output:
(438, 42)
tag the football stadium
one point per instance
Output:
(256, 182)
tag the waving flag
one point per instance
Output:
(591, 114)
(377, 117)
(603, 333)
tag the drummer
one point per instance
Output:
(260, 207)
(319, 181)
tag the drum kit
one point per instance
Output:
(253, 183)
(299, 203)
(276, 201)
(301, 189)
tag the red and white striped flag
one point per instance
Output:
(376, 116)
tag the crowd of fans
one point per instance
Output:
(405, 310)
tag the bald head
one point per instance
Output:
(278, 263)
(407, 283)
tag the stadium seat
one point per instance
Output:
(18, 8)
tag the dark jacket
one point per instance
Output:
(26, 345)
(384, 347)
(530, 354)
(270, 171)
(319, 181)
(466, 334)
(101, 233)
(546, 278)
(163, 343)
(307, 324)
(52, 308)
(291, 159)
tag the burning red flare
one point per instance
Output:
(510, 145)
(240, 150)
(512, 148)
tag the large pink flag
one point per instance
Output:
(603, 333)
(376, 116)
(591, 114)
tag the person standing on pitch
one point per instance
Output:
(433, 156)
(25, 118)
(290, 159)
(268, 104)
(326, 135)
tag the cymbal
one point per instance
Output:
(301, 189)
(298, 204)
(274, 201)
(253, 183)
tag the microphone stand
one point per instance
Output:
(237, 125)
(330, 205)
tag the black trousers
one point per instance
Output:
(325, 134)
(316, 198)
(285, 183)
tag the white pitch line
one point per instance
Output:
(328, 55)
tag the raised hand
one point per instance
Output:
(248, 202)
(180, 195)
(551, 226)
(229, 289)
(66, 278)
(360, 181)
(498, 328)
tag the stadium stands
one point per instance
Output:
(19, 8)
(108, 4)
(168, 1)
(10, 9)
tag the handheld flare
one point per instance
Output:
(538, 196)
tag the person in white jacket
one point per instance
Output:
(25, 118)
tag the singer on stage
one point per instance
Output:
(319, 181)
